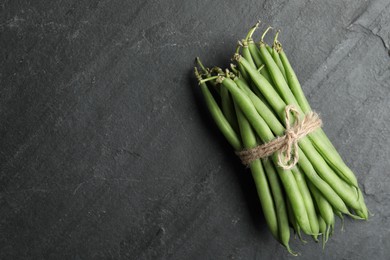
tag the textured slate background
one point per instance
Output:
(106, 149)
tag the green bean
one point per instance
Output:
(248, 109)
(293, 221)
(324, 207)
(247, 55)
(262, 129)
(293, 83)
(323, 229)
(307, 199)
(277, 76)
(228, 109)
(363, 211)
(278, 129)
(315, 158)
(218, 116)
(264, 193)
(319, 138)
(276, 57)
(243, 72)
(261, 107)
(280, 204)
(257, 59)
(269, 49)
(263, 85)
(327, 191)
(325, 211)
(342, 189)
(275, 54)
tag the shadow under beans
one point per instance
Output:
(242, 174)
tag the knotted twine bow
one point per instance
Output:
(287, 145)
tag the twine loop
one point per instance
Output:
(285, 146)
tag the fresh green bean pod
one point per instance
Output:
(323, 229)
(278, 61)
(307, 199)
(315, 158)
(262, 186)
(319, 139)
(363, 211)
(227, 106)
(262, 129)
(276, 57)
(278, 129)
(280, 204)
(276, 48)
(269, 49)
(277, 76)
(324, 207)
(293, 221)
(247, 54)
(345, 191)
(294, 84)
(218, 116)
(268, 91)
(257, 59)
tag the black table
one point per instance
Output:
(107, 150)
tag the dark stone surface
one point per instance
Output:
(107, 151)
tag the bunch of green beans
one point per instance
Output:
(248, 104)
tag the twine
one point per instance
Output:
(286, 146)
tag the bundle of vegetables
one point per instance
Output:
(303, 182)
